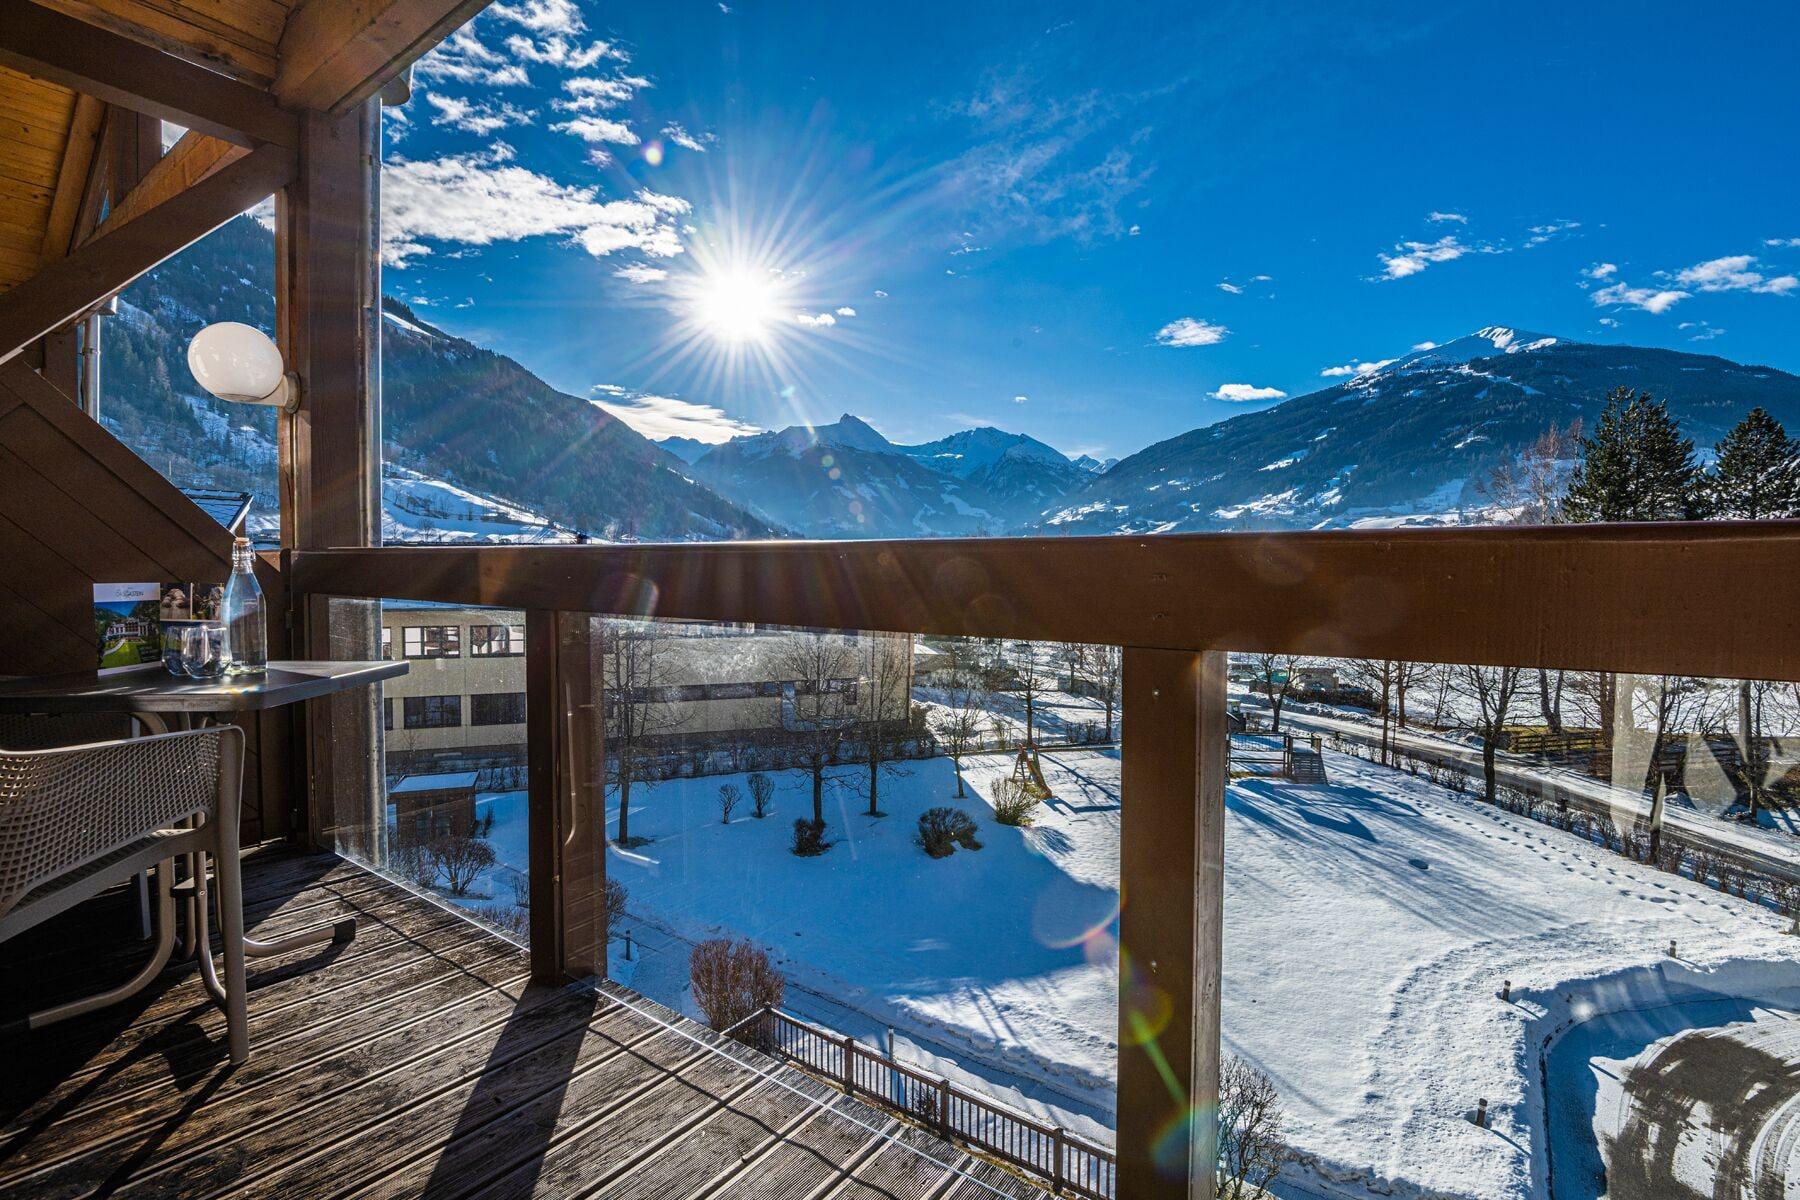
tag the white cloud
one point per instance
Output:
(1424, 345)
(474, 116)
(464, 58)
(846, 311)
(1789, 242)
(679, 136)
(1446, 216)
(1651, 300)
(1021, 399)
(1610, 322)
(480, 199)
(1262, 279)
(1245, 393)
(1229, 288)
(1733, 274)
(1189, 331)
(880, 295)
(658, 417)
(641, 273)
(1704, 331)
(558, 51)
(1603, 270)
(542, 16)
(1543, 233)
(1359, 368)
(815, 320)
(590, 93)
(1409, 258)
(598, 130)
(1134, 231)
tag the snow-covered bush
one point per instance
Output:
(809, 837)
(461, 860)
(1012, 801)
(942, 830)
(1251, 1153)
(762, 791)
(729, 798)
(732, 982)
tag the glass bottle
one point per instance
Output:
(246, 624)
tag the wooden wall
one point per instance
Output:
(78, 507)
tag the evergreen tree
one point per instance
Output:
(1635, 466)
(1757, 473)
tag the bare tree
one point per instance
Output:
(762, 790)
(461, 859)
(1493, 691)
(1407, 676)
(958, 726)
(1594, 695)
(1550, 692)
(1529, 490)
(1105, 673)
(1251, 1153)
(730, 796)
(1276, 671)
(1032, 680)
(1377, 674)
(817, 669)
(635, 657)
(886, 705)
(732, 982)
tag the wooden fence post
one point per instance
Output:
(849, 1065)
(1171, 871)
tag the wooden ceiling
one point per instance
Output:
(238, 70)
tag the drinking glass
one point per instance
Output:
(203, 651)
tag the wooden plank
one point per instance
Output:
(1586, 597)
(335, 54)
(189, 160)
(133, 74)
(240, 48)
(544, 747)
(65, 289)
(1171, 911)
(811, 1160)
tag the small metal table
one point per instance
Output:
(161, 702)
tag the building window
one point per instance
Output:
(497, 708)
(433, 712)
(496, 641)
(431, 641)
(387, 710)
(387, 646)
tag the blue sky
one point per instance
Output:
(1100, 226)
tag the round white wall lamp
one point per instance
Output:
(240, 363)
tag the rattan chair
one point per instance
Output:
(75, 821)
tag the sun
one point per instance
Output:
(736, 303)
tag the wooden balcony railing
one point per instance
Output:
(1712, 600)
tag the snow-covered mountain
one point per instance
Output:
(846, 480)
(1409, 441)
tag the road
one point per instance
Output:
(1768, 853)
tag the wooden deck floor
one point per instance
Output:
(414, 1061)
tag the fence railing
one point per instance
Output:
(1071, 1164)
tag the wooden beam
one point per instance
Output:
(1171, 920)
(1648, 598)
(193, 158)
(335, 54)
(65, 289)
(328, 279)
(79, 159)
(132, 75)
(543, 761)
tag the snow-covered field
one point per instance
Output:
(1369, 926)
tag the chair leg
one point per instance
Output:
(143, 892)
(229, 877)
(165, 943)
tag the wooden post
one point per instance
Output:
(1056, 1167)
(849, 1065)
(1171, 869)
(327, 278)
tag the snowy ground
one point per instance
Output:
(1369, 924)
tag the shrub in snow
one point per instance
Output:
(612, 907)
(729, 798)
(762, 792)
(809, 837)
(1012, 802)
(732, 982)
(942, 830)
(1251, 1153)
(461, 860)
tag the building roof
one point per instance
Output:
(435, 781)
(226, 507)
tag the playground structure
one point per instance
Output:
(1029, 773)
(1259, 755)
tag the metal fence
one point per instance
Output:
(1071, 1164)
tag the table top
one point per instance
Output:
(153, 689)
